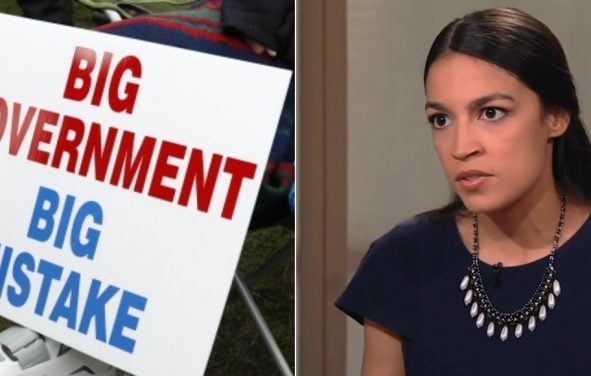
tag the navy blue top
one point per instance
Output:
(409, 282)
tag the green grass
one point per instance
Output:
(10, 7)
(239, 349)
(82, 15)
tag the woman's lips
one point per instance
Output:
(472, 180)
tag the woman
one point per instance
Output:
(498, 281)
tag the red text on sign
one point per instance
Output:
(162, 169)
(121, 88)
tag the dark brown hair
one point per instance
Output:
(526, 48)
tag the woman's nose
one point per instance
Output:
(466, 142)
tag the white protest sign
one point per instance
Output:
(128, 174)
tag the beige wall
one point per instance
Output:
(392, 169)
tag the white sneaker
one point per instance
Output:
(24, 352)
(22, 348)
(72, 363)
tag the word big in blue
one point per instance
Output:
(44, 222)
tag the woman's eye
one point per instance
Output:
(492, 113)
(439, 120)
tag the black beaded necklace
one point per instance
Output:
(538, 306)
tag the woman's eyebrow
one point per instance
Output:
(436, 106)
(476, 103)
(479, 102)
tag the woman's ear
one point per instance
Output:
(557, 122)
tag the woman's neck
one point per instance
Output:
(521, 233)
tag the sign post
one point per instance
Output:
(127, 181)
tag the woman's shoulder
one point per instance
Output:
(413, 248)
(415, 233)
(384, 288)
